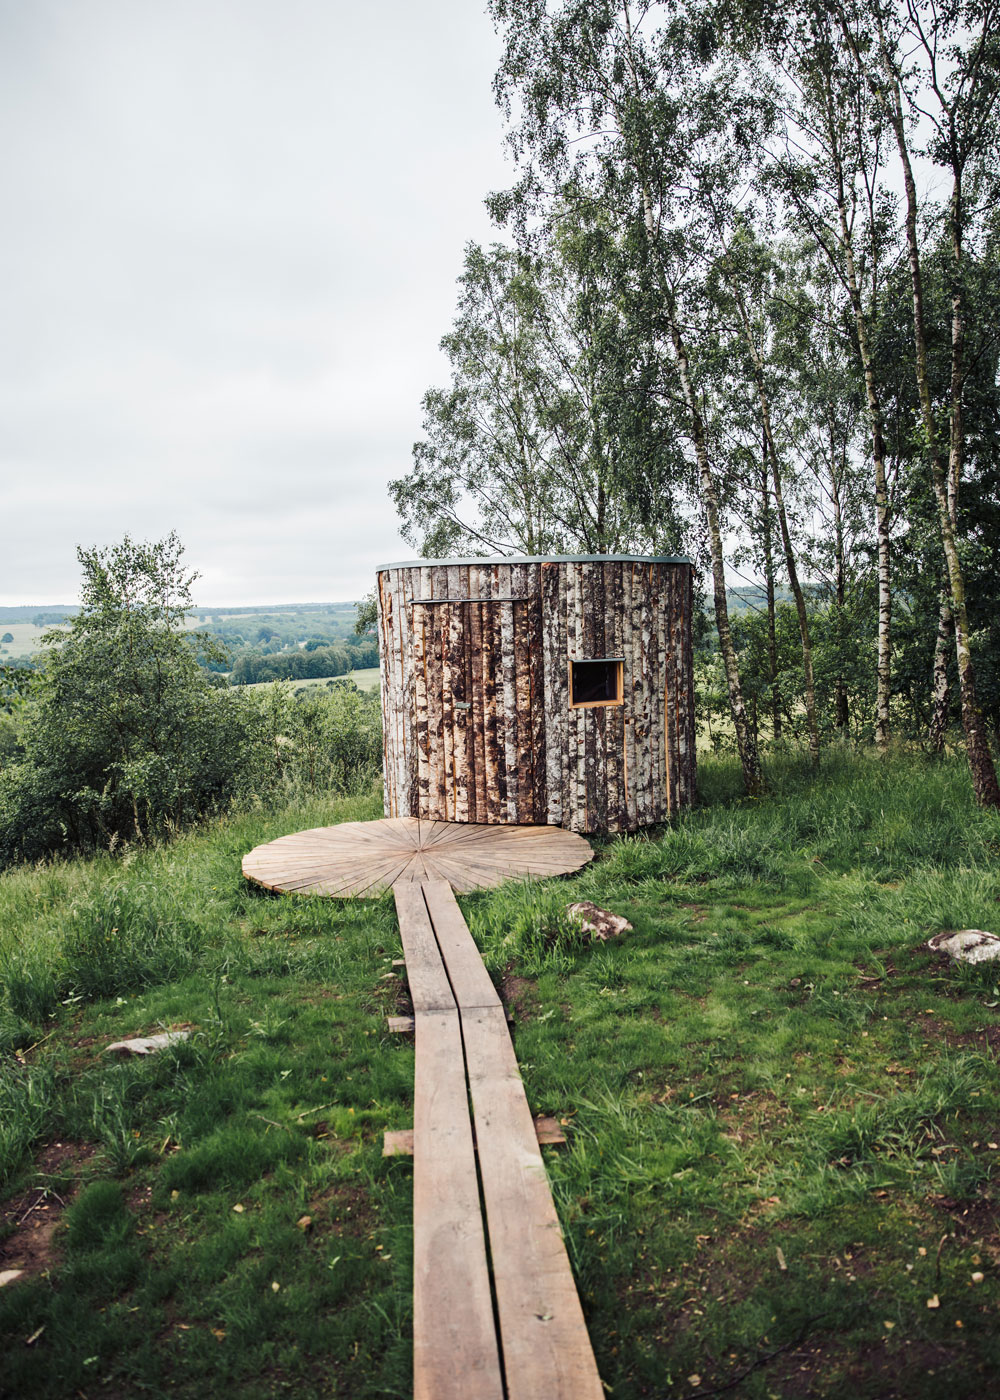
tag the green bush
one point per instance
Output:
(125, 738)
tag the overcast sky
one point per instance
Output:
(229, 241)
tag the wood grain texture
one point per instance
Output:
(477, 725)
(367, 858)
(455, 1352)
(546, 1350)
(543, 1335)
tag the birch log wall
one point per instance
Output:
(555, 690)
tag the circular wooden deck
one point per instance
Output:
(365, 858)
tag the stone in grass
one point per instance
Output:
(10, 1276)
(969, 945)
(147, 1045)
(600, 923)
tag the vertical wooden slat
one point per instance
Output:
(539, 747)
(580, 755)
(408, 795)
(553, 716)
(385, 650)
(613, 716)
(510, 715)
(435, 694)
(499, 713)
(477, 716)
(400, 670)
(522, 692)
(567, 735)
(628, 719)
(689, 668)
(599, 716)
(418, 628)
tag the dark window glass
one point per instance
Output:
(596, 682)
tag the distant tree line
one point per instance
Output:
(311, 662)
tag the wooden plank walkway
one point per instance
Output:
(463, 1049)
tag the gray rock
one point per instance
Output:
(969, 945)
(147, 1045)
(598, 922)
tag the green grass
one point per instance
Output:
(770, 1070)
(27, 639)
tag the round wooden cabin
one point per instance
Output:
(538, 690)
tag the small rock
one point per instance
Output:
(147, 1045)
(9, 1276)
(970, 945)
(600, 923)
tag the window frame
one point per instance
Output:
(619, 664)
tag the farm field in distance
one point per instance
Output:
(782, 1181)
(27, 640)
(252, 637)
(367, 678)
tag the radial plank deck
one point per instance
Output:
(478, 1174)
(367, 858)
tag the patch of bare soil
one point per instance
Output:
(342, 1211)
(520, 996)
(898, 1369)
(974, 1225)
(28, 1222)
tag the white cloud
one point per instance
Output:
(228, 248)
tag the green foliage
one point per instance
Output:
(122, 738)
(548, 437)
(529, 928)
(99, 1218)
(125, 739)
(771, 1060)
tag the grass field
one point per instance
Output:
(27, 639)
(782, 1110)
(367, 678)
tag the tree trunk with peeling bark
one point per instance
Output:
(812, 724)
(945, 480)
(746, 739)
(772, 641)
(940, 689)
(873, 403)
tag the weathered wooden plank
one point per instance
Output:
(536, 662)
(593, 646)
(478, 808)
(496, 795)
(579, 821)
(519, 753)
(471, 984)
(548, 624)
(455, 1353)
(546, 1349)
(522, 692)
(510, 716)
(398, 1142)
(429, 986)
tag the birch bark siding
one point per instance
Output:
(478, 719)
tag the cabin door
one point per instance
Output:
(479, 709)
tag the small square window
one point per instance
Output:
(595, 682)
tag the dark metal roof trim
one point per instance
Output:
(540, 559)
